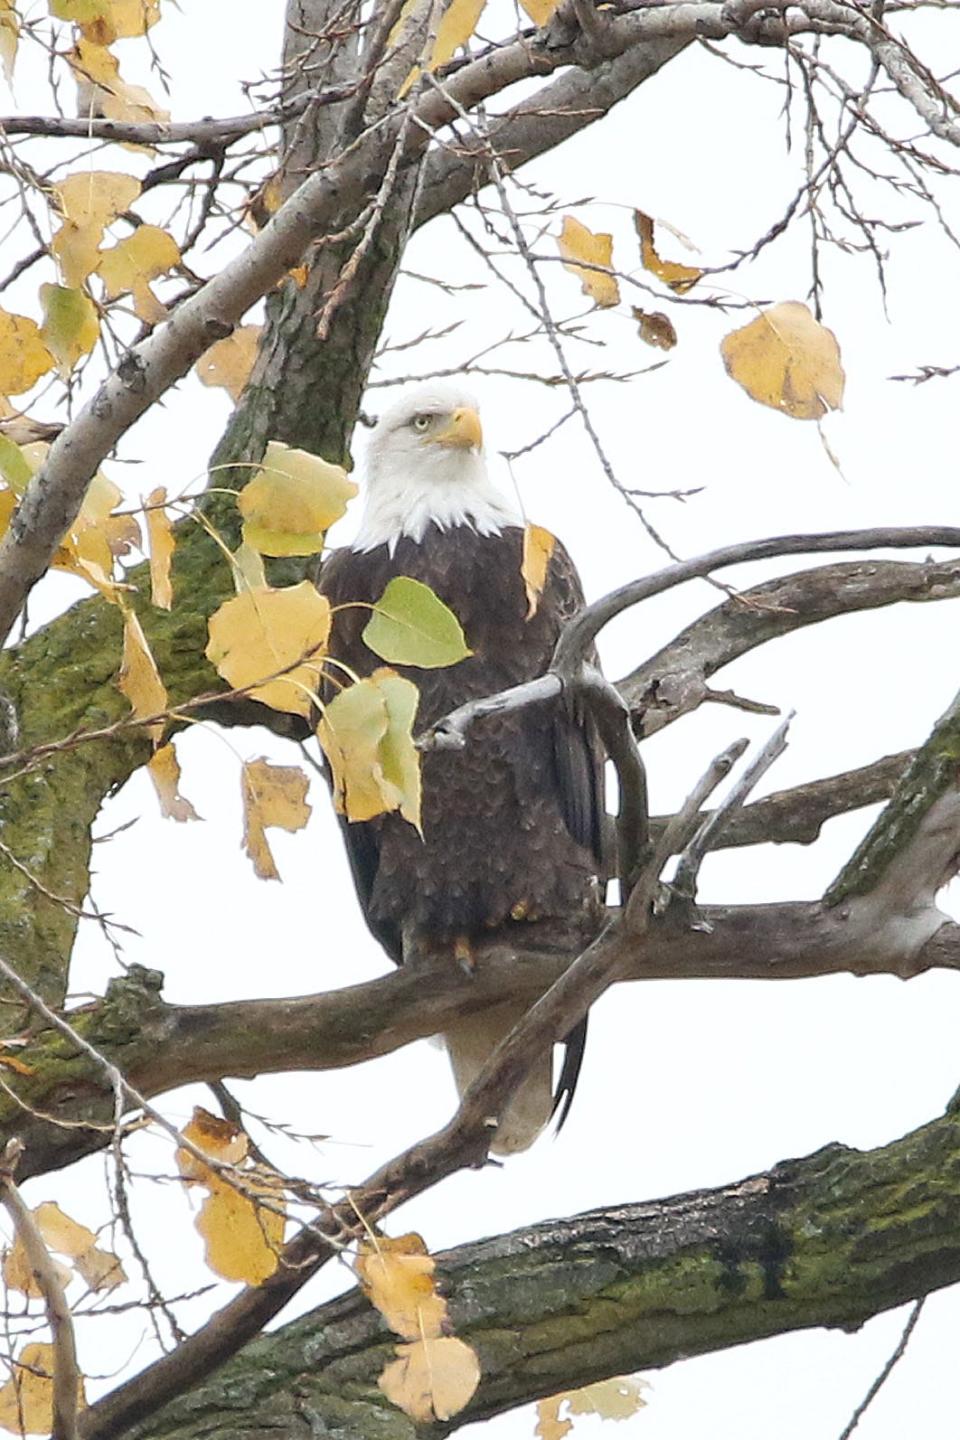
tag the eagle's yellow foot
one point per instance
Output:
(463, 954)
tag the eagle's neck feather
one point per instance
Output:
(444, 494)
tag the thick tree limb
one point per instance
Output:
(825, 1241)
(673, 681)
(64, 1110)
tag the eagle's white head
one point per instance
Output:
(425, 463)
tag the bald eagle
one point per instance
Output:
(511, 823)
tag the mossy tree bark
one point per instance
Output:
(826, 1241)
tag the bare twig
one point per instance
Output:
(878, 1384)
(684, 882)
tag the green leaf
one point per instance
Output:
(14, 466)
(411, 626)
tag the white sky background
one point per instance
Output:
(688, 1084)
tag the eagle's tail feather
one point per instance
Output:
(574, 1045)
(470, 1045)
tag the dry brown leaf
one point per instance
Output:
(23, 355)
(787, 360)
(139, 678)
(367, 736)
(538, 546)
(432, 1379)
(162, 544)
(655, 328)
(228, 362)
(260, 632)
(577, 243)
(273, 795)
(680, 278)
(164, 770)
(133, 262)
(26, 1400)
(397, 1277)
(218, 1138)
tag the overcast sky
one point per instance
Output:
(684, 1084)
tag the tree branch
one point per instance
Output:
(673, 682)
(829, 1240)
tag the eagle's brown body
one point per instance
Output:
(511, 823)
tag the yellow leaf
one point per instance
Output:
(432, 1379)
(99, 1268)
(680, 278)
(292, 500)
(71, 325)
(272, 795)
(23, 355)
(62, 1233)
(397, 1277)
(243, 1239)
(164, 771)
(18, 1273)
(97, 536)
(97, 73)
(614, 1399)
(576, 242)
(457, 24)
(786, 360)
(367, 736)
(162, 544)
(133, 263)
(539, 11)
(218, 1138)
(228, 362)
(90, 201)
(549, 1424)
(96, 197)
(263, 631)
(103, 21)
(655, 328)
(538, 545)
(26, 1400)
(9, 35)
(139, 678)
(248, 571)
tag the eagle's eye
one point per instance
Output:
(421, 422)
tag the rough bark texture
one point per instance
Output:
(825, 1241)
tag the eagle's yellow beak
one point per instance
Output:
(463, 432)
